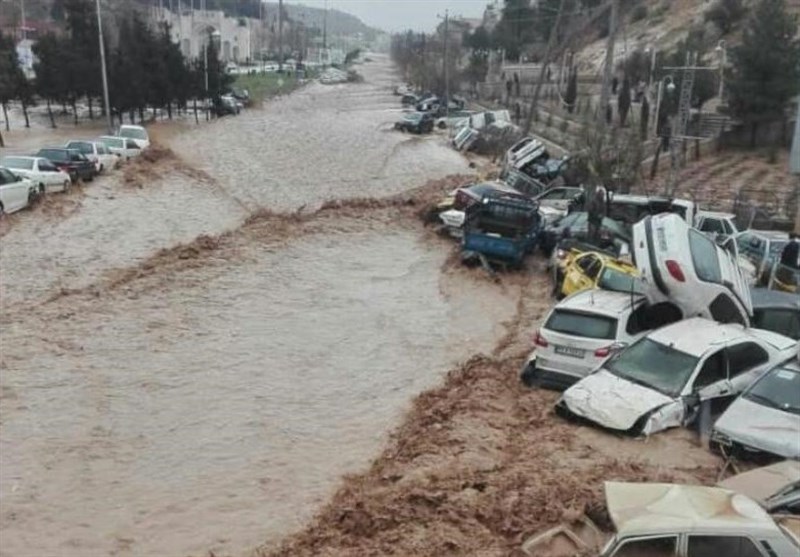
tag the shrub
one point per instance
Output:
(639, 13)
(725, 14)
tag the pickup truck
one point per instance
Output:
(501, 229)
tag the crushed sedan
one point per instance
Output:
(764, 422)
(660, 381)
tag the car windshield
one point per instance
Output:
(54, 154)
(613, 279)
(704, 257)
(751, 246)
(779, 389)
(654, 365)
(582, 324)
(414, 117)
(116, 142)
(133, 133)
(784, 321)
(17, 162)
(81, 146)
(776, 248)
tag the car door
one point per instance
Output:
(16, 191)
(47, 172)
(711, 381)
(718, 545)
(748, 360)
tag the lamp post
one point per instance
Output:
(722, 52)
(652, 51)
(670, 86)
(212, 36)
(106, 102)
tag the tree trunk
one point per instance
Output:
(75, 110)
(2, 143)
(654, 166)
(753, 134)
(141, 115)
(25, 114)
(91, 108)
(50, 115)
(196, 120)
(169, 110)
(697, 149)
(5, 115)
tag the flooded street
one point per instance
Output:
(213, 401)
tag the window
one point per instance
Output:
(716, 546)
(131, 144)
(728, 227)
(752, 247)
(17, 162)
(135, 133)
(588, 265)
(782, 321)
(714, 369)
(725, 310)
(46, 166)
(779, 389)
(582, 324)
(650, 547)
(647, 317)
(654, 365)
(704, 257)
(745, 356)
(6, 177)
(712, 225)
(612, 279)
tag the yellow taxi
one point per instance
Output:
(590, 269)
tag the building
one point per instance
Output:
(191, 30)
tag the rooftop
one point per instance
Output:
(603, 302)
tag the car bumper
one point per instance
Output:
(533, 375)
(724, 445)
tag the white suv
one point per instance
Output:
(582, 331)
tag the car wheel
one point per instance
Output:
(442, 125)
(528, 375)
(67, 186)
(2, 212)
(42, 189)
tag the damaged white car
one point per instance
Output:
(682, 265)
(765, 419)
(659, 381)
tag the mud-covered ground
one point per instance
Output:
(197, 349)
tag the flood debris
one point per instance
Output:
(333, 76)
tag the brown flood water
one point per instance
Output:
(217, 407)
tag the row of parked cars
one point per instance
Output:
(26, 178)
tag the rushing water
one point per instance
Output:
(216, 408)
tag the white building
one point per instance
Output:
(192, 28)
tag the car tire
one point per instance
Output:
(2, 212)
(442, 125)
(42, 189)
(528, 375)
(67, 186)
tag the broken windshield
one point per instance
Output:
(654, 365)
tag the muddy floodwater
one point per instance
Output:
(216, 407)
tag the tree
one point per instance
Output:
(572, 91)
(765, 69)
(705, 82)
(11, 76)
(624, 100)
(644, 118)
(515, 28)
(725, 14)
(50, 68)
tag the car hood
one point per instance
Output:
(611, 401)
(761, 427)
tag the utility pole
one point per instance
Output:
(445, 69)
(280, 36)
(22, 17)
(605, 92)
(545, 62)
(325, 28)
(106, 101)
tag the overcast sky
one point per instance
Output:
(399, 15)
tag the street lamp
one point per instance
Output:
(652, 51)
(212, 36)
(722, 52)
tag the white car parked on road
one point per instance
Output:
(97, 152)
(680, 264)
(659, 381)
(583, 330)
(125, 148)
(15, 192)
(137, 134)
(43, 173)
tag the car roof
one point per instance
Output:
(649, 508)
(602, 302)
(21, 157)
(719, 214)
(131, 126)
(647, 199)
(766, 298)
(696, 335)
(768, 234)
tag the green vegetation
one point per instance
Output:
(265, 85)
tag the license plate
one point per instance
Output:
(569, 351)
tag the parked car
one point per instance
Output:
(70, 161)
(583, 330)
(16, 192)
(40, 171)
(567, 248)
(409, 99)
(680, 264)
(415, 122)
(775, 311)
(136, 133)
(475, 193)
(548, 169)
(126, 149)
(588, 270)
(227, 105)
(559, 200)
(576, 226)
(717, 226)
(765, 419)
(761, 249)
(659, 381)
(669, 520)
(522, 149)
(97, 152)
(775, 487)
(522, 182)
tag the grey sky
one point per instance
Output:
(398, 15)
